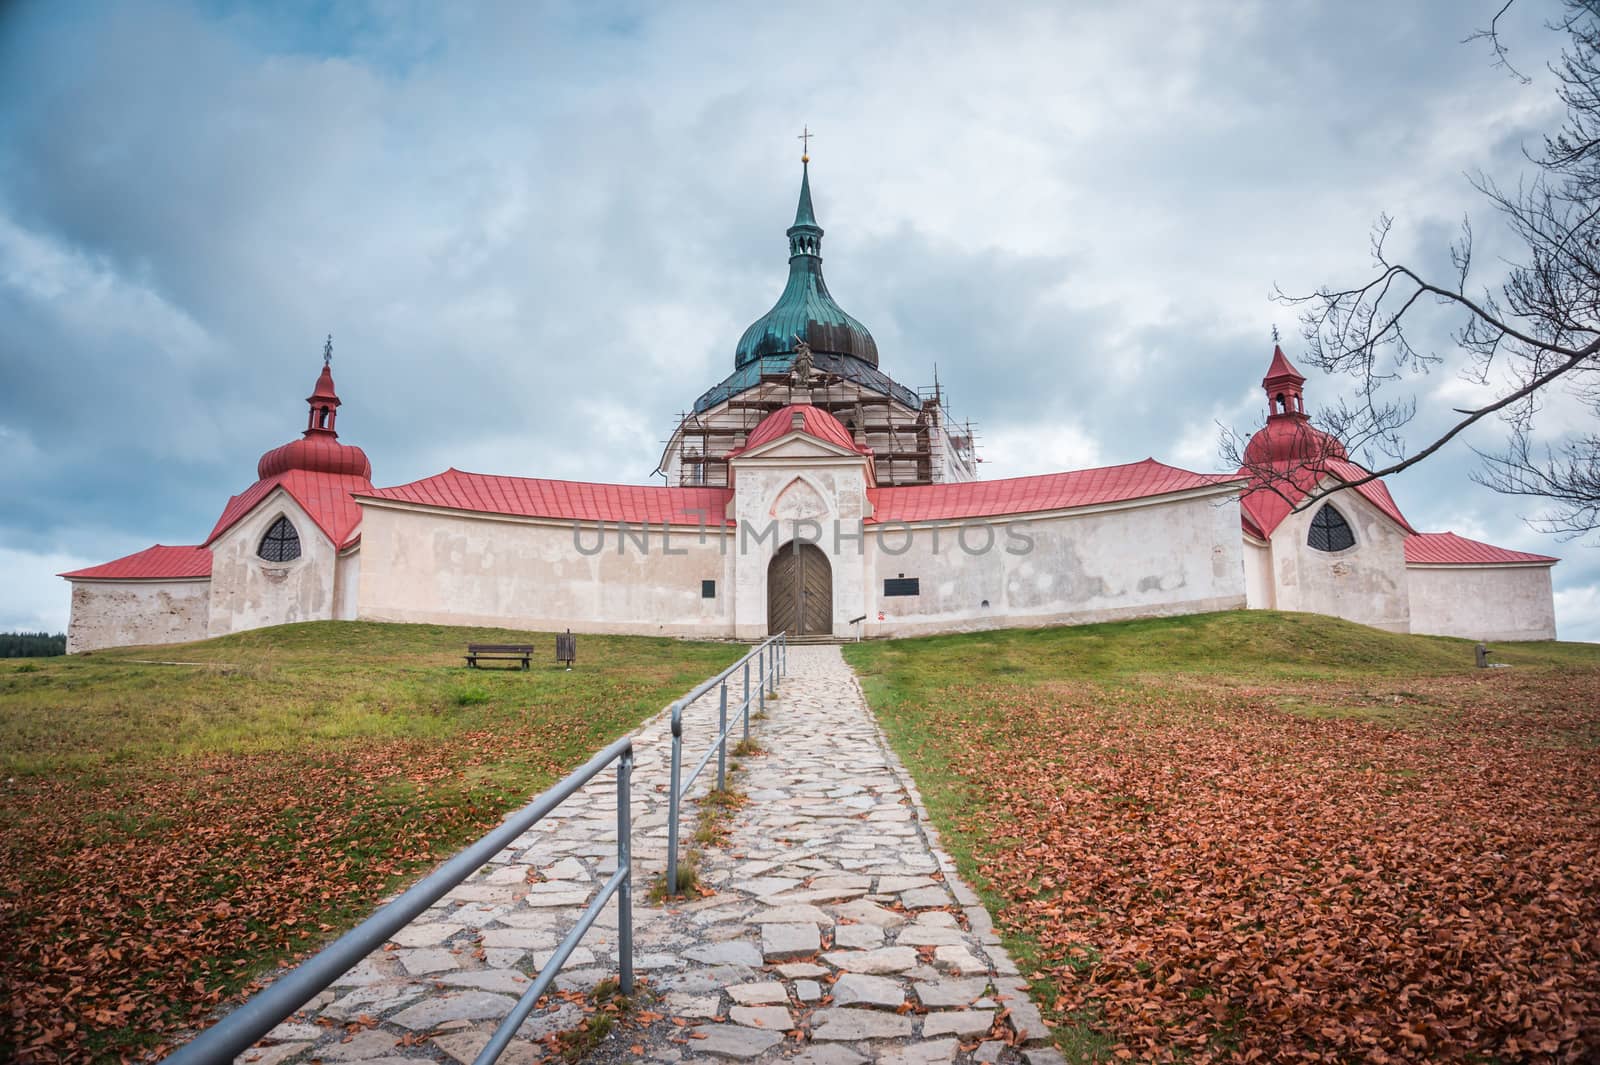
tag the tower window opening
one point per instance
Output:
(1329, 531)
(281, 544)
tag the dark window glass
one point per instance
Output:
(281, 544)
(902, 586)
(708, 589)
(1329, 531)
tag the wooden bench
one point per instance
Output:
(499, 652)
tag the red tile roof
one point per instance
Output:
(1448, 549)
(1027, 495)
(324, 496)
(580, 501)
(1267, 507)
(814, 422)
(564, 500)
(153, 563)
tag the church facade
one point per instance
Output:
(811, 493)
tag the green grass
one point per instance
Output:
(324, 685)
(1249, 646)
(1309, 666)
(213, 808)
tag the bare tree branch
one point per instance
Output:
(1534, 334)
(1491, 33)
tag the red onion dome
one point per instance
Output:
(316, 452)
(1291, 440)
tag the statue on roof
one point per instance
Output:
(803, 365)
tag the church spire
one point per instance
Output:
(805, 236)
(324, 401)
(805, 311)
(1285, 385)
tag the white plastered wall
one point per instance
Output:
(421, 564)
(1482, 602)
(1365, 583)
(124, 613)
(1177, 555)
(1258, 586)
(248, 592)
(347, 585)
(798, 487)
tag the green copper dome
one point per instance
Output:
(805, 310)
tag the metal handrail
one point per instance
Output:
(772, 662)
(239, 1030)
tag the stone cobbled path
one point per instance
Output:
(837, 931)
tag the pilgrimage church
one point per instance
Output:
(810, 492)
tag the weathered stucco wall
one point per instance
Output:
(443, 567)
(1364, 583)
(1179, 556)
(248, 592)
(1259, 593)
(1482, 602)
(123, 613)
(428, 565)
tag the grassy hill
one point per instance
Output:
(1319, 802)
(1247, 644)
(175, 818)
(1265, 836)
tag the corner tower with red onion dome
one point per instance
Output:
(1321, 534)
(285, 549)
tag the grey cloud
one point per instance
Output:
(524, 220)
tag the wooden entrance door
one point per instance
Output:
(800, 591)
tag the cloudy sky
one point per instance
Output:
(537, 230)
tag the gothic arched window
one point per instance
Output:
(281, 544)
(1329, 531)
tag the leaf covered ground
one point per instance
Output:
(169, 830)
(1260, 837)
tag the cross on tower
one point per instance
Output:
(327, 351)
(1274, 333)
(805, 143)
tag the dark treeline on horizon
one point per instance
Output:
(32, 644)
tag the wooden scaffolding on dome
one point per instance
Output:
(908, 446)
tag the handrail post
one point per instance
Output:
(772, 674)
(672, 799)
(625, 861)
(747, 698)
(722, 737)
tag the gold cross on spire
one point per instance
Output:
(805, 143)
